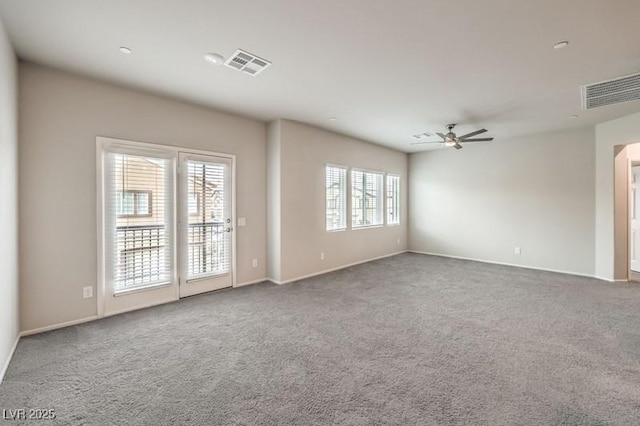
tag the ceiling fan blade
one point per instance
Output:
(420, 143)
(468, 135)
(442, 136)
(477, 140)
(457, 146)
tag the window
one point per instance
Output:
(138, 225)
(133, 203)
(366, 199)
(393, 200)
(336, 198)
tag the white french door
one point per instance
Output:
(205, 224)
(165, 219)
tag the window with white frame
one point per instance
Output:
(133, 203)
(366, 198)
(138, 225)
(336, 198)
(393, 200)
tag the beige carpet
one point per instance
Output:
(410, 339)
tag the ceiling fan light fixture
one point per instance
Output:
(454, 141)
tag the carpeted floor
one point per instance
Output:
(410, 339)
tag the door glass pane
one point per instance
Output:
(208, 242)
(138, 221)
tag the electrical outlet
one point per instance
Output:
(322, 256)
(87, 292)
(255, 263)
(517, 250)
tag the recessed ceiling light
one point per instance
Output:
(573, 116)
(561, 44)
(125, 50)
(214, 58)
(333, 119)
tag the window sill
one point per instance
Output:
(141, 288)
(357, 228)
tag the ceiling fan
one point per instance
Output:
(450, 139)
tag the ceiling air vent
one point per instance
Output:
(247, 62)
(618, 90)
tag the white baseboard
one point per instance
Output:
(326, 271)
(605, 279)
(559, 271)
(5, 367)
(56, 326)
(95, 317)
(251, 282)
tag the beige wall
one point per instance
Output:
(304, 153)
(273, 201)
(608, 259)
(481, 202)
(9, 318)
(61, 115)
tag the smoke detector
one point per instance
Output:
(609, 92)
(247, 63)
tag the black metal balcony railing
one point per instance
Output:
(143, 258)
(207, 248)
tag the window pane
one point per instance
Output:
(138, 236)
(208, 244)
(393, 200)
(142, 203)
(366, 199)
(336, 197)
(125, 203)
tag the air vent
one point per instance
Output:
(623, 89)
(424, 135)
(247, 62)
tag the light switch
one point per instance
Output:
(242, 221)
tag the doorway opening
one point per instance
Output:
(634, 220)
(627, 212)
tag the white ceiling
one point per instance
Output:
(385, 69)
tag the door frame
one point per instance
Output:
(183, 221)
(630, 213)
(103, 142)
